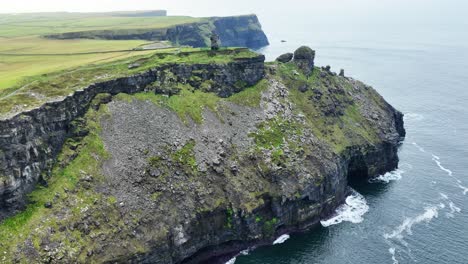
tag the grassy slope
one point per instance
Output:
(20, 34)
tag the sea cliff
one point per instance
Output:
(187, 161)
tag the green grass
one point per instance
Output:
(189, 103)
(274, 133)
(42, 24)
(15, 70)
(186, 157)
(21, 35)
(250, 96)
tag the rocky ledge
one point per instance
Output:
(186, 175)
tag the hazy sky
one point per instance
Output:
(384, 13)
(452, 9)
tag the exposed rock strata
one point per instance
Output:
(30, 141)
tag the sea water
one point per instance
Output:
(419, 212)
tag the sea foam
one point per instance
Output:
(406, 226)
(281, 239)
(392, 252)
(352, 210)
(389, 176)
(436, 159)
(412, 117)
(231, 261)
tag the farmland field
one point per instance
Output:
(25, 53)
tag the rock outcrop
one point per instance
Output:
(162, 187)
(287, 57)
(304, 59)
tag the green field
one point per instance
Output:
(24, 53)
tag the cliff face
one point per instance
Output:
(207, 168)
(30, 141)
(239, 31)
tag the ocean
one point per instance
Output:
(418, 213)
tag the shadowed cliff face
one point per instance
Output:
(186, 175)
(238, 31)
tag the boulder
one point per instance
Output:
(284, 58)
(303, 88)
(304, 59)
(342, 73)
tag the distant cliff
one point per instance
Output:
(236, 31)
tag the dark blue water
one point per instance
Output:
(421, 214)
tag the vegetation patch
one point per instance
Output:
(329, 110)
(269, 226)
(274, 133)
(186, 157)
(250, 96)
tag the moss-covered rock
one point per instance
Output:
(287, 57)
(304, 58)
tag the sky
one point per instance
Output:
(421, 14)
(452, 10)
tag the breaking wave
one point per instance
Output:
(413, 117)
(233, 260)
(281, 239)
(352, 210)
(389, 176)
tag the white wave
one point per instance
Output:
(352, 211)
(389, 176)
(437, 161)
(392, 252)
(281, 239)
(405, 227)
(243, 252)
(231, 261)
(444, 196)
(465, 189)
(419, 147)
(453, 209)
(413, 117)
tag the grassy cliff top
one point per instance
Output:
(39, 89)
(17, 25)
(24, 50)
